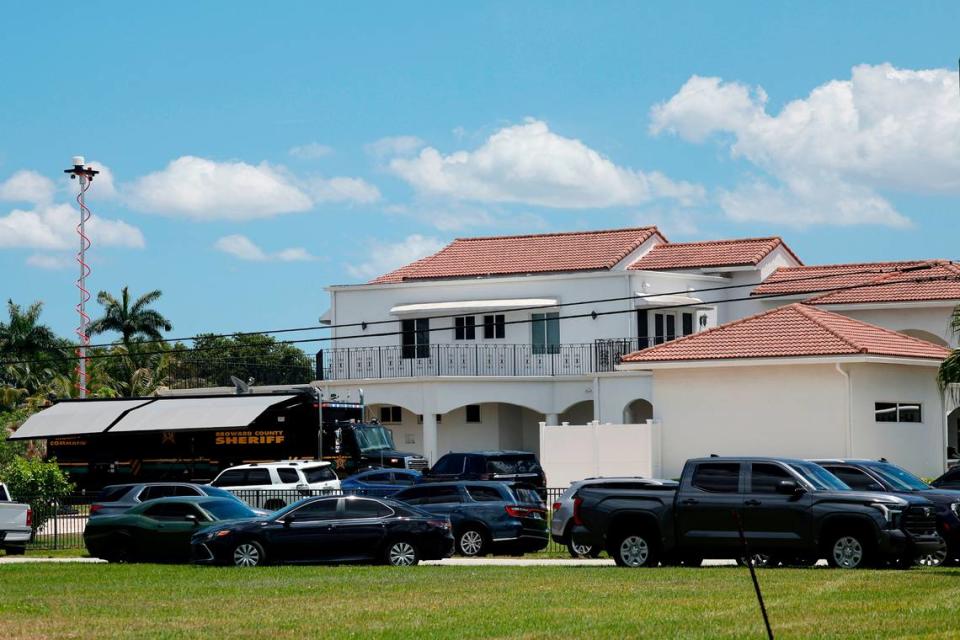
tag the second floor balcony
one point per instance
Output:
(508, 360)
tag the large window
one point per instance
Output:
(415, 337)
(764, 478)
(546, 332)
(465, 328)
(664, 325)
(494, 327)
(897, 412)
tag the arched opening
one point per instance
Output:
(924, 335)
(578, 413)
(637, 412)
(489, 425)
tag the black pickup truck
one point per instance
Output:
(792, 510)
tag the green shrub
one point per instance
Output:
(37, 483)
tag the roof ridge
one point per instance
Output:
(728, 241)
(803, 309)
(890, 332)
(864, 264)
(551, 234)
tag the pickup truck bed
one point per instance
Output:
(15, 524)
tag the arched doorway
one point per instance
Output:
(638, 412)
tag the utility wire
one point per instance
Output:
(365, 324)
(592, 314)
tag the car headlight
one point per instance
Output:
(891, 513)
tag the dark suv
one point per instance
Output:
(501, 466)
(486, 516)
(881, 475)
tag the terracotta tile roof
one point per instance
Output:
(715, 253)
(902, 287)
(512, 255)
(792, 331)
(810, 279)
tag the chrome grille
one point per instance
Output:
(417, 462)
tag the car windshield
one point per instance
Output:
(507, 465)
(819, 477)
(229, 510)
(373, 438)
(899, 478)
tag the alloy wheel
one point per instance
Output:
(634, 551)
(581, 550)
(246, 555)
(934, 558)
(847, 552)
(402, 554)
(471, 542)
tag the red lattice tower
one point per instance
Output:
(85, 175)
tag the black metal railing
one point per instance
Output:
(395, 361)
(59, 524)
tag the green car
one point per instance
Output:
(158, 530)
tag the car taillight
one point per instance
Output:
(524, 512)
(576, 511)
(556, 506)
(29, 517)
(94, 508)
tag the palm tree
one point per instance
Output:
(22, 336)
(130, 320)
(949, 374)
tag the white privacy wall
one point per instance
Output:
(792, 410)
(575, 452)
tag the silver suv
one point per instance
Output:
(563, 509)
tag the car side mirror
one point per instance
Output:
(192, 519)
(789, 487)
(288, 520)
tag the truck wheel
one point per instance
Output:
(932, 559)
(16, 550)
(582, 550)
(760, 560)
(634, 549)
(472, 542)
(848, 551)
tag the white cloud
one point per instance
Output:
(310, 151)
(672, 223)
(207, 190)
(54, 227)
(394, 146)
(455, 217)
(530, 164)
(385, 256)
(884, 128)
(103, 185)
(50, 261)
(27, 186)
(244, 248)
(341, 189)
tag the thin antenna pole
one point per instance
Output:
(85, 175)
(748, 558)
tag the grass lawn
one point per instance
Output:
(137, 601)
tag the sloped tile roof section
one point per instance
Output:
(514, 255)
(792, 331)
(716, 253)
(940, 282)
(817, 278)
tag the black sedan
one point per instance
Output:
(158, 530)
(329, 529)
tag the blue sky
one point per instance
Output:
(257, 153)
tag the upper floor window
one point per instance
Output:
(473, 413)
(897, 412)
(657, 327)
(546, 332)
(415, 338)
(465, 328)
(494, 327)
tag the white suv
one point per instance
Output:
(274, 485)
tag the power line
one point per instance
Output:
(592, 314)
(365, 324)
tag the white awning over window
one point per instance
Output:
(668, 300)
(197, 412)
(73, 418)
(471, 306)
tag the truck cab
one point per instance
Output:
(357, 446)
